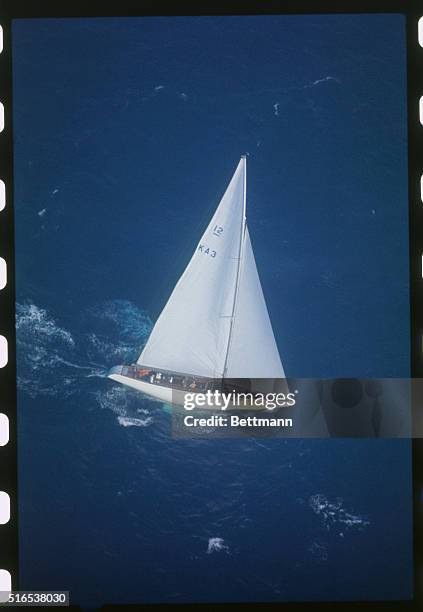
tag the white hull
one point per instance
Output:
(167, 395)
(164, 394)
(176, 397)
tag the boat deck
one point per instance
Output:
(163, 378)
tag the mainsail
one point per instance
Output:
(215, 323)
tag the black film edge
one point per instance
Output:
(8, 463)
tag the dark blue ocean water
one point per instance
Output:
(126, 134)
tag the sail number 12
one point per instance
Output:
(217, 231)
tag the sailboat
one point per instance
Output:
(215, 324)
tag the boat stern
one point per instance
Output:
(124, 376)
(115, 370)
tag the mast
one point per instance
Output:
(238, 271)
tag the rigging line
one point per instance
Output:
(238, 271)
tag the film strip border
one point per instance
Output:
(8, 455)
(415, 159)
(413, 9)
